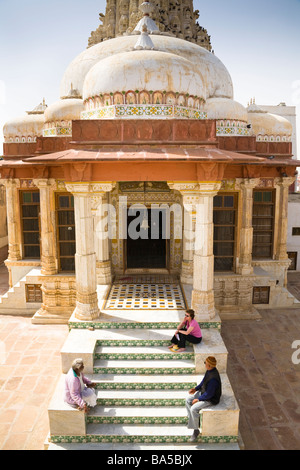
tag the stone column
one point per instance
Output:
(246, 231)
(189, 200)
(198, 257)
(101, 214)
(203, 281)
(13, 218)
(85, 257)
(282, 196)
(47, 211)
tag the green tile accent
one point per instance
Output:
(140, 402)
(133, 343)
(144, 386)
(141, 439)
(144, 357)
(144, 371)
(133, 325)
(136, 420)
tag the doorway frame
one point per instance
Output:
(165, 270)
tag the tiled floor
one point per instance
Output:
(145, 296)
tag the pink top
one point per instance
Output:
(196, 331)
(73, 388)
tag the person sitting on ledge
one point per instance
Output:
(188, 330)
(207, 393)
(79, 391)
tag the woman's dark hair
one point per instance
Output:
(191, 312)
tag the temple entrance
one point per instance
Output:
(147, 244)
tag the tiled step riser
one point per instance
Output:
(135, 326)
(140, 402)
(142, 439)
(143, 357)
(145, 386)
(134, 343)
(136, 420)
(145, 371)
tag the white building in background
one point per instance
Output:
(293, 236)
(289, 113)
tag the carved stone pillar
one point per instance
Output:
(282, 189)
(13, 218)
(101, 213)
(47, 211)
(189, 200)
(246, 231)
(198, 197)
(203, 281)
(85, 257)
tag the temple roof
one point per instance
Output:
(197, 154)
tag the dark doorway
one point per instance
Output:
(147, 239)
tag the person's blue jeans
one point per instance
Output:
(194, 410)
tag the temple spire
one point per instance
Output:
(170, 16)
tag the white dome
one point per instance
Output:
(216, 79)
(224, 108)
(24, 128)
(267, 124)
(64, 110)
(144, 70)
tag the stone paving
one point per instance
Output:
(265, 380)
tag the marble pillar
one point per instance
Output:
(47, 212)
(203, 281)
(100, 210)
(189, 196)
(198, 258)
(13, 218)
(85, 258)
(246, 230)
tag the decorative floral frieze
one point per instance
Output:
(58, 132)
(236, 128)
(134, 111)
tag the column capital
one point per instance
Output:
(44, 182)
(10, 182)
(87, 188)
(286, 182)
(247, 183)
(197, 188)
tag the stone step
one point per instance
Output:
(152, 319)
(84, 343)
(67, 444)
(141, 353)
(141, 397)
(146, 434)
(171, 366)
(136, 415)
(219, 420)
(145, 382)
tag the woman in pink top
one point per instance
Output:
(188, 330)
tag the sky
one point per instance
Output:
(258, 41)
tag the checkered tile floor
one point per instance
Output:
(145, 296)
